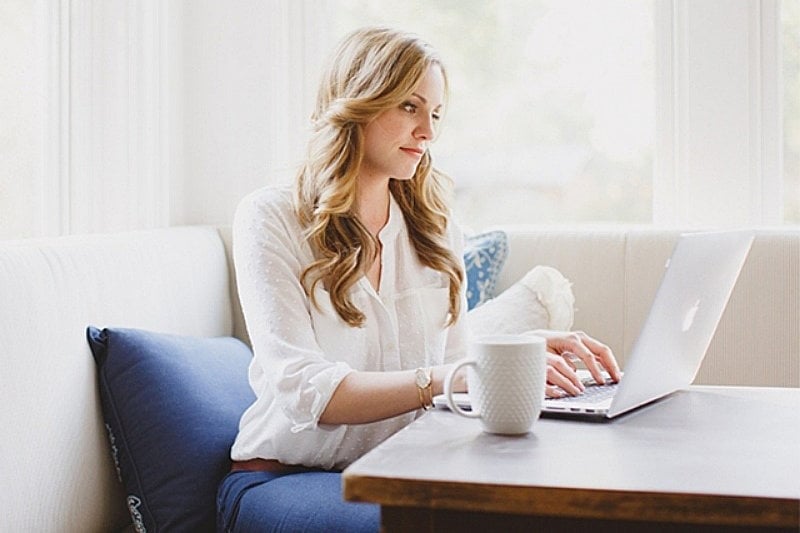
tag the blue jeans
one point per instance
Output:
(258, 502)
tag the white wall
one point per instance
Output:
(21, 118)
(225, 116)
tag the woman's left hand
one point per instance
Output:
(563, 347)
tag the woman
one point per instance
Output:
(352, 289)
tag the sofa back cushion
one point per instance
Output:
(615, 274)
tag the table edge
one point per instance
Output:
(702, 509)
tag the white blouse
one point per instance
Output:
(302, 353)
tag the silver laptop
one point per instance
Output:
(697, 283)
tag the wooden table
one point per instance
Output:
(708, 458)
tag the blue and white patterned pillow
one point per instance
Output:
(484, 257)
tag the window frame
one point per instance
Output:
(691, 155)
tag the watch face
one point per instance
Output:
(423, 379)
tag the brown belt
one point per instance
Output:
(267, 465)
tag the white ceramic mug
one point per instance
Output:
(506, 379)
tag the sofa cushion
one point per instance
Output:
(542, 299)
(171, 406)
(484, 256)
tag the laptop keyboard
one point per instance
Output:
(594, 393)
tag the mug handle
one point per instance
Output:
(448, 390)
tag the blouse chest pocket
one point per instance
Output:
(337, 339)
(422, 315)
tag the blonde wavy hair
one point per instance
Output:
(372, 70)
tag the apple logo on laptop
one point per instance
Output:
(688, 319)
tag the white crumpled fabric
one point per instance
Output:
(542, 299)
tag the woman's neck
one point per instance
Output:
(373, 204)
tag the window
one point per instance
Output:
(119, 115)
(551, 116)
(671, 112)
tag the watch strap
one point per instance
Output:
(425, 392)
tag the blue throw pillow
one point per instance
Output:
(484, 257)
(171, 406)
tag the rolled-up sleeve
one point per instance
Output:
(288, 363)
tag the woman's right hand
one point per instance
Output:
(565, 347)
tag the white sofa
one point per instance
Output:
(56, 472)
